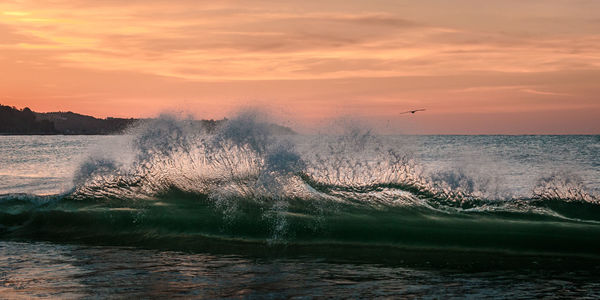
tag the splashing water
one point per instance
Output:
(242, 160)
(563, 186)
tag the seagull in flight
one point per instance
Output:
(412, 111)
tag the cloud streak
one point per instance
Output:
(223, 43)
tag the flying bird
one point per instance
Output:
(412, 111)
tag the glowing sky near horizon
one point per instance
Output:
(476, 66)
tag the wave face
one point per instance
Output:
(179, 187)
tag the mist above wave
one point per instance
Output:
(242, 159)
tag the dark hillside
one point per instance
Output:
(72, 123)
(15, 121)
(22, 122)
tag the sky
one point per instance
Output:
(477, 67)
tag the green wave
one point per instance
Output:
(189, 221)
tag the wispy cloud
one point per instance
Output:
(229, 42)
(545, 93)
(515, 88)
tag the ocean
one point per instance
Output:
(169, 210)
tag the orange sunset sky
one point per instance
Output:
(489, 67)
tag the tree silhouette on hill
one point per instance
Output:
(15, 121)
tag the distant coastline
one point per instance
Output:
(14, 121)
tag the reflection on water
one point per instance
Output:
(65, 271)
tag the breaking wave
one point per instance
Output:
(184, 186)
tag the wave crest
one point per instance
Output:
(243, 161)
(563, 186)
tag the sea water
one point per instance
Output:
(171, 210)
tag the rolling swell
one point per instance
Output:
(241, 188)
